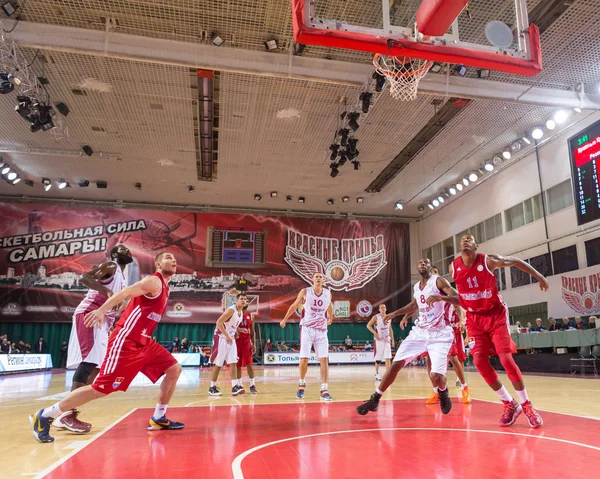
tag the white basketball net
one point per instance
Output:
(403, 74)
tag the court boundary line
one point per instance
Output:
(68, 456)
(236, 465)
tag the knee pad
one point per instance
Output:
(512, 370)
(482, 363)
(378, 362)
(83, 371)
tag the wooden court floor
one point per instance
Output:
(272, 434)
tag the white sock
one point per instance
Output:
(379, 391)
(213, 384)
(504, 394)
(302, 382)
(323, 386)
(240, 384)
(522, 395)
(251, 381)
(234, 382)
(436, 389)
(52, 411)
(440, 389)
(462, 386)
(160, 411)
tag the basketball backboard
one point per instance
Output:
(490, 34)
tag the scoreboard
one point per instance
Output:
(236, 247)
(584, 150)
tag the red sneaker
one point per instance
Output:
(68, 420)
(512, 410)
(535, 420)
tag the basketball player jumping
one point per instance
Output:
(317, 314)
(431, 334)
(87, 346)
(224, 348)
(245, 339)
(380, 326)
(130, 350)
(487, 323)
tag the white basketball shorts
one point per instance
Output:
(310, 337)
(383, 350)
(221, 352)
(435, 342)
(86, 344)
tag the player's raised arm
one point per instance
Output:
(451, 294)
(91, 279)
(292, 308)
(226, 316)
(150, 285)
(410, 308)
(497, 261)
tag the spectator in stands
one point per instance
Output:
(282, 347)
(203, 358)
(21, 346)
(175, 345)
(592, 322)
(269, 346)
(529, 326)
(184, 346)
(539, 328)
(63, 354)
(4, 346)
(580, 324)
(14, 349)
(553, 326)
(27, 348)
(368, 346)
(41, 347)
(568, 324)
(348, 342)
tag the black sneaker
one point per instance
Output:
(253, 389)
(235, 390)
(371, 405)
(445, 401)
(214, 391)
(163, 424)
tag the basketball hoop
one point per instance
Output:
(403, 74)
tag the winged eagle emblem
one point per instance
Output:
(586, 304)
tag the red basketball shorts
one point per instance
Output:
(124, 359)
(458, 348)
(244, 351)
(488, 332)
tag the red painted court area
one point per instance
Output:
(404, 438)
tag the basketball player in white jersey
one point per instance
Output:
(380, 326)
(431, 334)
(317, 314)
(224, 349)
(87, 346)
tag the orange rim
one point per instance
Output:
(383, 71)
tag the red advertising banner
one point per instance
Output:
(45, 248)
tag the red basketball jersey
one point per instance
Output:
(246, 323)
(142, 315)
(476, 286)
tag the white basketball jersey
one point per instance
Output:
(433, 316)
(232, 324)
(94, 299)
(383, 328)
(314, 313)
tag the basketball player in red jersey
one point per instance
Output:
(87, 346)
(245, 339)
(487, 323)
(130, 350)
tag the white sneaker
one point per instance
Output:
(377, 377)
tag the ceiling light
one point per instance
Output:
(344, 132)
(365, 98)
(356, 165)
(452, 190)
(301, 199)
(216, 39)
(62, 108)
(506, 154)
(537, 133)
(483, 73)
(334, 170)
(16, 180)
(345, 199)
(459, 186)
(2, 162)
(257, 197)
(335, 148)
(101, 184)
(489, 166)
(273, 194)
(527, 140)
(8, 9)
(6, 169)
(6, 83)
(28, 182)
(271, 45)
(11, 175)
(381, 79)
(461, 70)
(399, 205)
(516, 146)
(360, 200)
(466, 181)
(288, 198)
(87, 149)
(191, 189)
(436, 68)
(577, 110)
(440, 199)
(551, 124)
(473, 177)
(353, 120)
(430, 206)
(138, 186)
(62, 184)
(420, 208)
(496, 161)
(83, 183)
(561, 116)
(435, 203)
(47, 184)
(330, 201)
